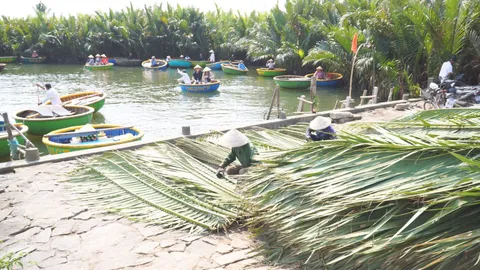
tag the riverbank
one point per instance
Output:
(40, 217)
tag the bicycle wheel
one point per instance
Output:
(428, 105)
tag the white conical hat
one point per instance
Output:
(103, 55)
(181, 55)
(197, 66)
(90, 56)
(320, 67)
(211, 51)
(320, 123)
(97, 55)
(206, 69)
(233, 138)
(153, 57)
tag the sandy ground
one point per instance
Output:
(52, 229)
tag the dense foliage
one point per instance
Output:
(405, 40)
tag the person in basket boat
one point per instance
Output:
(182, 57)
(168, 58)
(34, 54)
(52, 95)
(197, 74)
(91, 60)
(212, 56)
(207, 75)
(104, 60)
(320, 129)
(153, 62)
(241, 149)
(241, 65)
(185, 78)
(270, 64)
(97, 59)
(187, 57)
(200, 57)
(320, 74)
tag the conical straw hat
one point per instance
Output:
(90, 56)
(206, 69)
(197, 66)
(233, 138)
(97, 55)
(320, 123)
(103, 55)
(211, 51)
(320, 67)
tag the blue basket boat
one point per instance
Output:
(217, 65)
(334, 79)
(179, 63)
(201, 88)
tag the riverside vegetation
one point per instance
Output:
(406, 40)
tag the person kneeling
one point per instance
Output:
(320, 129)
(240, 149)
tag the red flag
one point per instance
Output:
(354, 43)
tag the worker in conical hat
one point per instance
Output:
(319, 73)
(207, 74)
(240, 149)
(320, 129)
(91, 60)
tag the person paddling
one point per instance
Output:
(153, 62)
(320, 74)
(320, 129)
(240, 149)
(52, 94)
(270, 64)
(185, 79)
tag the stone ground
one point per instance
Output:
(43, 221)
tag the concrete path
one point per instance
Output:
(42, 220)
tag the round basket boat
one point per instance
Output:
(217, 65)
(99, 67)
(4, 147)
(60, 141)
(179, 63)
(162, 65)
(233, 69)
(40, 124)
(271, 72)
(201, 88)
(8, 59)
(2, 67)
(334, 79)
(292, 81)
(96, 100)
(33, 60)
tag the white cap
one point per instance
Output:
(206, 69)
(197, 66)
(320, 123)
(233, 138)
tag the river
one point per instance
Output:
(151, 100)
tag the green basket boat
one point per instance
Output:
(96, 100)
(31, 60)
(100, 67)
(233, 69)
(8, 59)
(4, 148)
(271, 72)
(292, 81)
(47, 118)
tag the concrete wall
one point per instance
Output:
(270, 124)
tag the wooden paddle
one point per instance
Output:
(84, 133)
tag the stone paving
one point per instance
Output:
(53, 229)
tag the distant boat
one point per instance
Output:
(2, 67)
(46, 118)
(201, 88)
(334, 79)
(33, 60)
(217, 65)
(95, 100)
(271, 72)
(179, 63)
(4, 147)
(233, 69)
(162, 65)
(99, 67)
(8, 59)
(292, 81)
(60, 141)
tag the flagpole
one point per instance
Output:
(351, 72)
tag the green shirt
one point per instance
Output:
(244, 154)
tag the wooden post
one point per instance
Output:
(362, 97)
(313, 90)
(300, 104)
(278, 103)
(375, 95)
(275, 91)
(8, 128)
(390, 95)
(336, 103)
